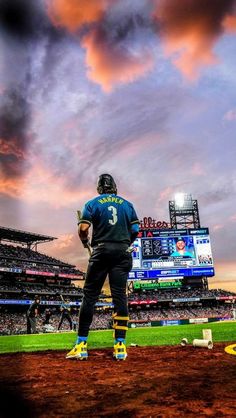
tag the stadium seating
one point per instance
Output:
(15, 323)
(173, 294)
(25, 258)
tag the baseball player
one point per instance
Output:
(115, 227)
(181, 249)
(31, 315)
(65, 309)
(48, 314)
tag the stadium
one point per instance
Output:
(169, 300)
(115, 116)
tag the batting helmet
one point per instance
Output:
(106, 184)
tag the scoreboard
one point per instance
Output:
(172, 253)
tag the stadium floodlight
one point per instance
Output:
(184, 211)
(183, 201)
(179, 200)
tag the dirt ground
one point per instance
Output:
(152, 382)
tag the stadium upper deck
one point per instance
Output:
(23, 259)
(23, 237)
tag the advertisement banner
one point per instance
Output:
(155, 274)
(186, 300)
(143, 302)
(46, 302)
(15, 302)
(198, 320)
(156, 285)
(39, 273)
(15, 270)
(11, 269)
(225, 318)
(70, 276)
(140, 324)
(170, 322)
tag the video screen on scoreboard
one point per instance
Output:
(185, 252)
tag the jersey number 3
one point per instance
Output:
(113, 211)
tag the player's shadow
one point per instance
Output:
(13, 404)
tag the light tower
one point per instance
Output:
(184, 212)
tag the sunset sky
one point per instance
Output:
(142, 89)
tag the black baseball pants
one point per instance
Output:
(63, 317)
(31, 325)
(110, 259)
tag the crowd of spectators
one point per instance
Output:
(182, 313)
(44, 298)
(48, 292)
(22, 291)
(25, 258)
(15, 323)
(177, 294)
(22, 288)
(22, 253)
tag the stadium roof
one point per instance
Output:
(23, 237)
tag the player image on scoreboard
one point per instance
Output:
(183, 247)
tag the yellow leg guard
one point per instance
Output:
(119, 323)
(120, 318)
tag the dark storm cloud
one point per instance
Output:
(218, 195)
(23, 24)
(20, 18)
(25, 19)
(14, 124)
(176, 16)
(120, 26)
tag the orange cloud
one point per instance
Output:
(110, 64)
(68, 248)
(11, 147)
(72, 14)
(10, 187)
(195, 54)
(108, 61)
(189, 29)
(40, 185)
(65, 241)
(230, 23)
(13, 158)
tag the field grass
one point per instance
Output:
(166, 335)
